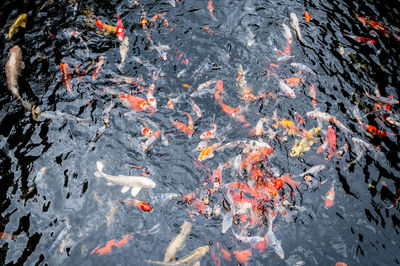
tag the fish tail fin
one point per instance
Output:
(98, 174)
(100, 166)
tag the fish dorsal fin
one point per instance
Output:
(135, 191)
(125, 189)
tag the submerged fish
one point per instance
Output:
(304, 145)
(176, 244)
(13, 69)
(123, 51)
(19, 22)
(134, 182)
(190, 259)
(296, 27)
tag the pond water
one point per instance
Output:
(278, 97)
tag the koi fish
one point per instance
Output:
(313, 95)
(202, 145)
(255, 157)
(209, 134)
(243, 256)
(176, 244)
(160, 50)
(108, 29)
(381, 99)
(330, 196)
(325, 117)
(182, 127)
(196, 108)
(296, 27)
(211, 8)
(13, 69)
(272, 241)
(134, 102)
(313, 170)
(7, 236)
(120, 32)
(219, 88)
(99, 66)
(302, 68)
(376, 131)
(304, 145)
(286, 89)
(19, 22)
(286, 124)
(144, 206)
(66, 75)
(150, 96)
(293, 82)
(190, 259)
(331, 139)
(107, 248)
(151, 140)
(359, 39)
(208, 152)
(123, 51)
(134, 182)
(371, 23)
(289, 38)
(307, 16)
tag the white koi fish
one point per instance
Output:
(296, 27)
(134, 182)
(123, 51)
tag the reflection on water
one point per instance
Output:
(220, 132)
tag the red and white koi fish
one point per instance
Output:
(286, 89)
(151, 140)
(196, 108)
(150, 96)
(302, 68)
(134, 102)
(371, 43)
(289, 38)
(209, 134)
(330, 196)
(378, 98)
(66, 75)
(313, 95)
(144, 206)
(375, 131)
(219, 88)
(99, 66)
(120, 29)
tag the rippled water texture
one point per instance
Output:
(64, 214)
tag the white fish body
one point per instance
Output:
(313, 170)
(134, 182)
(123, 51)
(296, 27)
(286, 89)
(286, 33)
(176, 244)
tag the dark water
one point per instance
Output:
(61, 218)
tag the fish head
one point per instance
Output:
(296, 149)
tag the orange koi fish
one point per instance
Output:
(209, 134)
(120, 32)
(307, 16)
(134, 102)
(107, 248)
(293, 82)
(330, 196)
(209, 151)
(371, 23)
(287, 179)
(66, 75)
(189, 197)
(286, 124)
(144, 206)
(377, 132)
(255, 157)
(211, 8)
(225, 253)
(209, 30)
(105, 27)
(243, 256)
(219, 88)
(7, 236)
(182, 127)
(99, 66)
(331, 139)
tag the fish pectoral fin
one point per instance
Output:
(125, 189)
(110, 184)
(98, 174)
(135, 191)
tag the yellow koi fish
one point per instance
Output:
(309, 139)
(20, 22)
